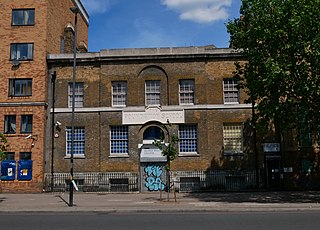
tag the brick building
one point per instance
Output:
(124, 97)
(29, 31)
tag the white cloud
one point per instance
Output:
(96, 6)
(200, 11)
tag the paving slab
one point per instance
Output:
(153, 202)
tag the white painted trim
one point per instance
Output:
(75, 156)
(119, 155)
(192, 154)
(164, 108)
(14, 104)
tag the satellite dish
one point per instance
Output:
(15, 63)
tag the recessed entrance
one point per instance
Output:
(273, 171)
(152, 161)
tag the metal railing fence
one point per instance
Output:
(94, 182)
(184, 181)
(214, 180)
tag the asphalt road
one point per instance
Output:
(155, 221)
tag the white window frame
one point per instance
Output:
(231, 93)
(186, 92)
(153, 93)
(79, 142)
(233, 138)
(119, 93)
(188, 139)
(78, 96)
(119, 140)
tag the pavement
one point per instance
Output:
(153, 202)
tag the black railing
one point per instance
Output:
(214, 181)
(94, 182)
(183, 181)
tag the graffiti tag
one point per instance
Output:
(153, 179)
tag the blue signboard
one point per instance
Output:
(25, 170)
(8, 170)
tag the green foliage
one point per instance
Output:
(280, 42)
(170, 151)
(3, 146)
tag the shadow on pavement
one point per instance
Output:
(258, 197)
(66, 202)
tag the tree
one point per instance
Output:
(280, 42)
(170, 150)
(3, 146)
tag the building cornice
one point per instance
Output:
(143, 54)
(17, 104)
(163, 108)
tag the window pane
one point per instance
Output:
(21, 51)
(119, 139)
(230, 91)
(78, 95)
(119, 93)
(152, 92)
(9, 156)
(79, 141)
(188, 138)
(25, 156)
(26, 123)
(232, 138)
(186, 89)
(23, 17)
(20, 87)
(10, 124)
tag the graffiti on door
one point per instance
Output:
(153, 178)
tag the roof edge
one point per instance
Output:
(83, 11)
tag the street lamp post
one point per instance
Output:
(255, 150)
(75, 11)
(53, 81)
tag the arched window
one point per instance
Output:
(153, 133)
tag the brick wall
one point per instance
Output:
(98, 78)
(51, 17)
(59, 16)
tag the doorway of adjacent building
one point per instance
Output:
(273, 172)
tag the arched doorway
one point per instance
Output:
(153, 133)
(152, 161)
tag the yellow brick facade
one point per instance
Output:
(97, 71)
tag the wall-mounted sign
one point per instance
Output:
(153, 114)
(288, 170)
(271, 147)
(151, 153)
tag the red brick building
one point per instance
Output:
(29, 31)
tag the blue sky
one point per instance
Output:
(159, 23)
